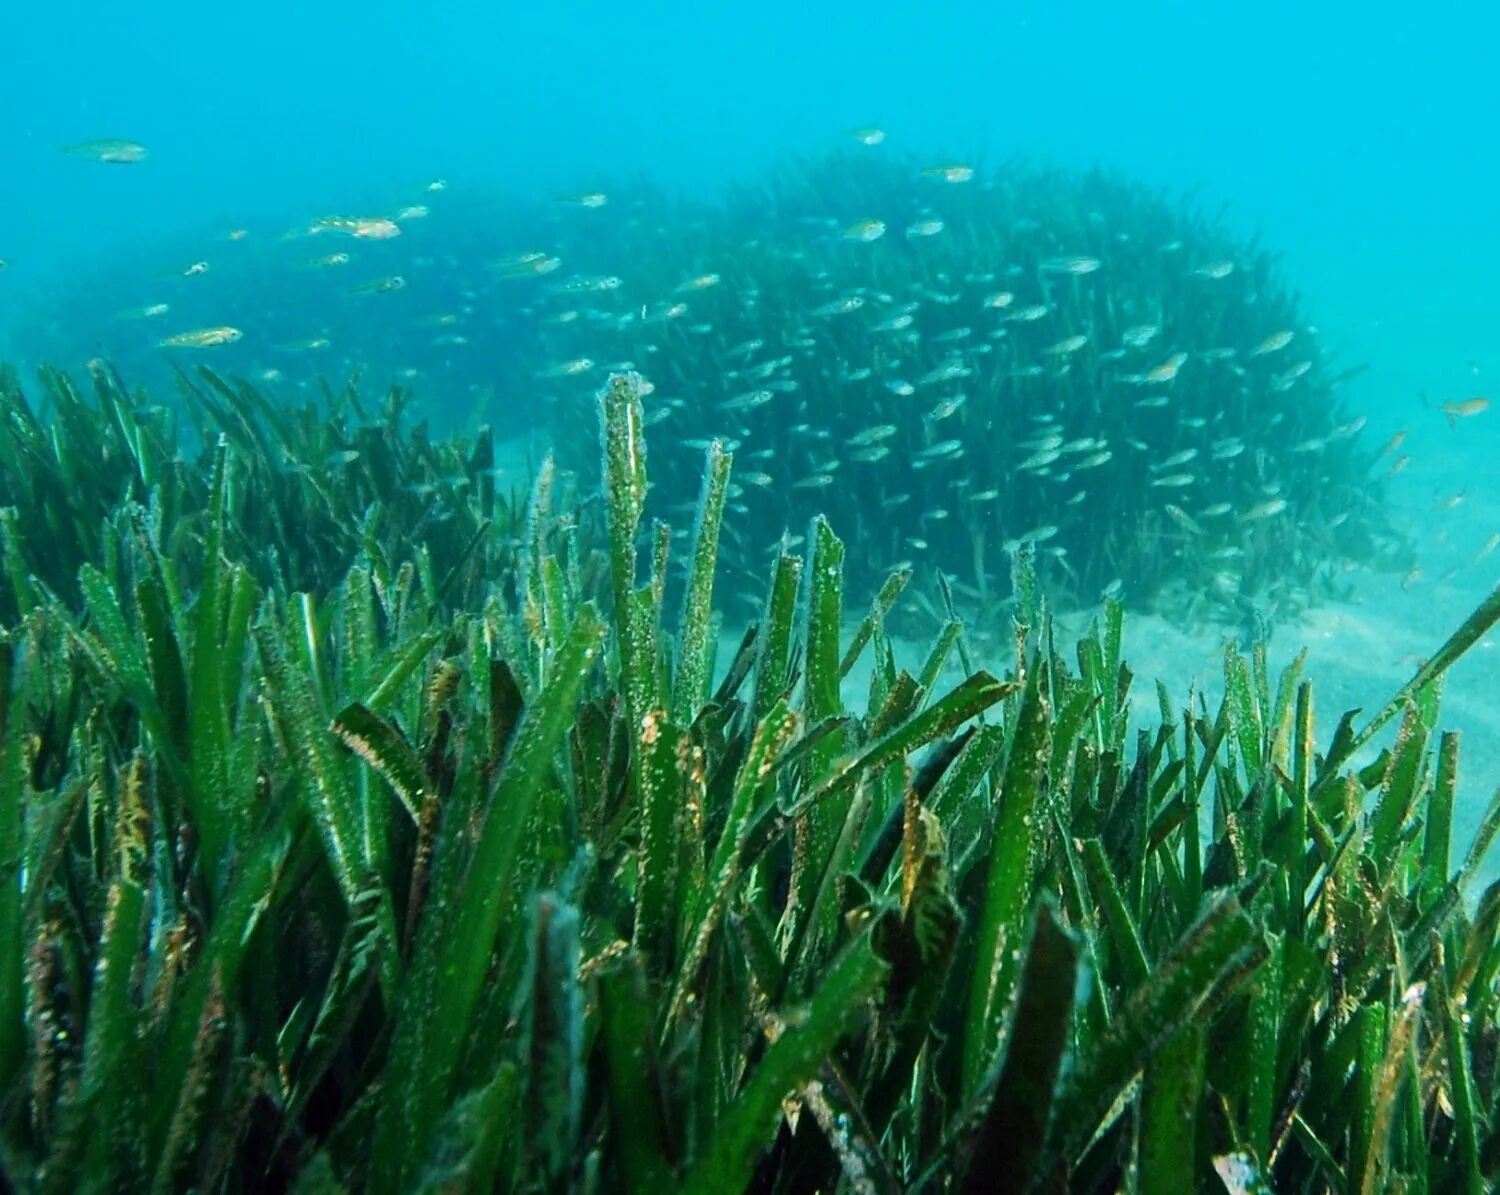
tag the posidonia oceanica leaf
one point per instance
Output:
(1008, 877)
(690, 688)
(550, 1041)
(772, 735)
(1020, 1096)
(817, 827)
(1216, 953)
(449, 968)
(1171, 1103)
(1473, 628)
(13, 801)
(773, 666)
(634, 1078)
(885, 599)
(801, 1038)
(379, 744)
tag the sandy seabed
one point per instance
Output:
(1359, 654)
(1362, 650)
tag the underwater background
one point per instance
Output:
(1355, 141)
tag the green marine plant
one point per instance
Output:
(339, 890)
(311, 488)
(946, 362)
(949, 364)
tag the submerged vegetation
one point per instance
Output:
(386, 860)
(949, 363)
(315, 486)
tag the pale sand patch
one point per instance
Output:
(1359, 655)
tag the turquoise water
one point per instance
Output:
(1356, 140)
(1356, 137)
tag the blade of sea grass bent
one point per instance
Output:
(443, 986)
(377, 742)
(879, 608)
(803, 1040)
(1214, 953)
(1474, 628)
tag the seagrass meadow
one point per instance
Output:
(365, 827)
(948, 361)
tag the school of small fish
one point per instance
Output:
(950, 369)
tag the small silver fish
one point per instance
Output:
(1264, 510)
(872, 435)
(1177, 458)
(865, 231)
(840, 306)
(108, 149)
(747, 401)
(946, 408)
(1069, 344)
(1215, 269)
(953, 367)
(1040, 459)
(1273, 343)
(1070, 265)
(1183, 519)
